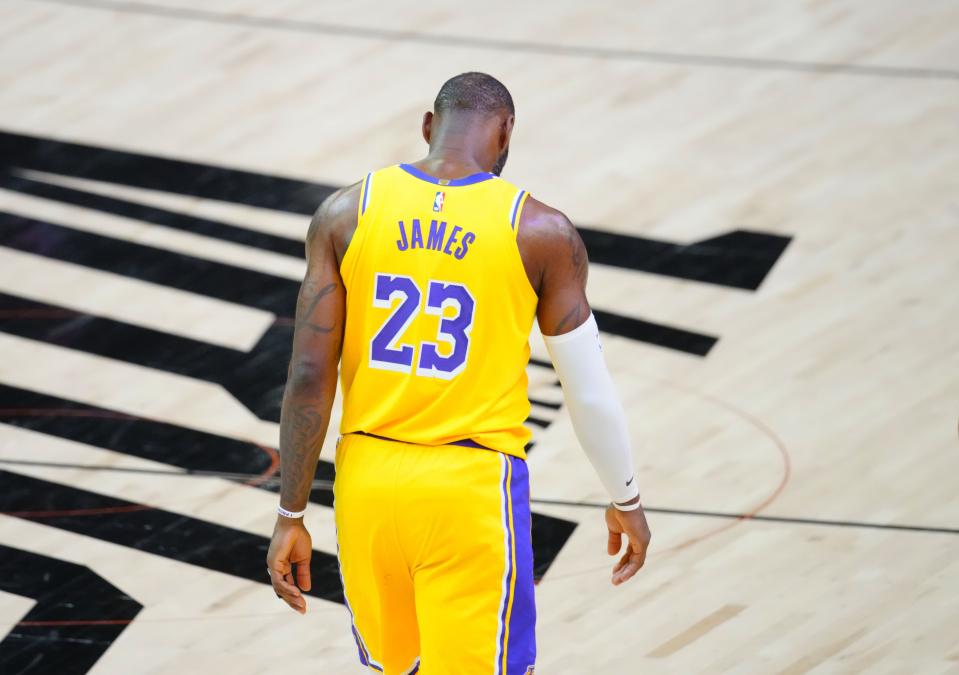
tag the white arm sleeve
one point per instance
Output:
(594, 406)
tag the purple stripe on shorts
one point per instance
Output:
(521, 650)
(505, 492)
(359, 647)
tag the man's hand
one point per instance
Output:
(291, 545)
(633, 525)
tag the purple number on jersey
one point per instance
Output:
(454, 330)
(384, 352)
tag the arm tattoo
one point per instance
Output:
(573, 318)
(577, 253)
(305, 426)
(310, 296)
(301, 431)
(580, 311)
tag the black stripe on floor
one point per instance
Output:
(155, 531)
(77, 615)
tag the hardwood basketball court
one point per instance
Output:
(769, 195)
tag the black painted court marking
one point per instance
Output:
(155, 215)
(255, 378)
(738, 259)
(243, 286)
(198, 453)
(181, 447)
(175, 270)
(159, 173)
(546, 404)
(162, 533)
(771, 519)
(76, 618)
(677, 339)
(527, 47)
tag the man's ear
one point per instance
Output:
(427, 126)
(506, 130)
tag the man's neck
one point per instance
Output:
(450, 162)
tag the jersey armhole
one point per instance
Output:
(515, 215)
(516, 210)
(348, 263)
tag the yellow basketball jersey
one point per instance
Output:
(438, 312)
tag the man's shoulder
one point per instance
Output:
(540, 222)
(341, 201)
(335, 219)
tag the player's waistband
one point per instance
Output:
(466, 442)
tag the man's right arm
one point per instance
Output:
(557, 266)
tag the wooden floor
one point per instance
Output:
(804, 371)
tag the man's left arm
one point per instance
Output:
(308, 398)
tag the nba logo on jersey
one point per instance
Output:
(438, 201)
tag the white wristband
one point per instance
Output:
(627, 507)
(290, 514)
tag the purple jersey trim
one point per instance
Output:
(366, 192)
(516, 203)
(452, 182)
(466, 442)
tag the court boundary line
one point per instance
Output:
(520, 46)
(791, 520)
(726, 515)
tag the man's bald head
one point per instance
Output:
(475, 92)
(474, 116)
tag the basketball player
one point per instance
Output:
(425, 279)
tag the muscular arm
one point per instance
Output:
(556, 265)
(310, 388)
(317, 342)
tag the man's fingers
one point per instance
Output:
(626, 572)
(630, 563)
(303, 575)
(614, 543)
(297, 604)
(294, 600)
(639, 548)
(288, 591)
(622, 561)
(283, 583)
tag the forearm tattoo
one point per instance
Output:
(301, 432)
(310, 295)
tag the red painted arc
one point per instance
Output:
(748, 513)
(770, 498)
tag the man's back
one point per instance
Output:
(438, 311)
(426, 279)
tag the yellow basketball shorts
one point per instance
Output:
(436, 557)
